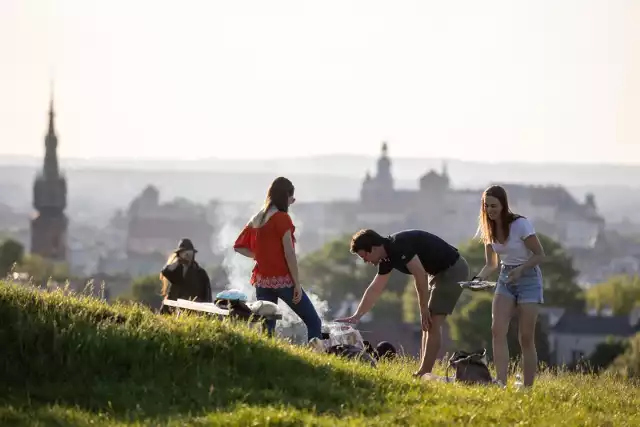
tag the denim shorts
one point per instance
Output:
(527, 289)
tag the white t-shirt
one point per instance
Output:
(514, 251)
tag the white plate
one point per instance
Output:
(477, 285)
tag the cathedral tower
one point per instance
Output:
(384, 178)
(49, 226)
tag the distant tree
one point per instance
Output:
(621, 293)
(473, 253)
(628, 363)
(470, 325)
(605, 353)
(11, 254)
(560, 284)
(146, 290)
(388, 307)
(410, 308)
(333, 272)
(42, 270)
(559, 276)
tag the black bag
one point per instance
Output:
(237, 309)
(470, 368)
(384, 350)
(352, 352)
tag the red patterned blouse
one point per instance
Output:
(265, 242)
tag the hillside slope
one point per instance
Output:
(75, 361)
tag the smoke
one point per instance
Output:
(239, 268)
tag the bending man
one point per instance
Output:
(436, 266)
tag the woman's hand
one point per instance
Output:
(297, 294)
(514, 275)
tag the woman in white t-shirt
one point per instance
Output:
(512, 239)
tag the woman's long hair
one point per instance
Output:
(165, 282)
(486, 226)
(277, 197)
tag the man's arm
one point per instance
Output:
(416, 268)
(371, 295)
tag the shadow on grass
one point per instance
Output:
(158, 368)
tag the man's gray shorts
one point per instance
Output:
(445, 290)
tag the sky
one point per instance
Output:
(530, 81)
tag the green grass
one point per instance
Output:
(69, 360)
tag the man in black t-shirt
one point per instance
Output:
(436, 266)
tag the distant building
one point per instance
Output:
(558, 214)
(438, 207)
(149, 230)
(155, 226)
(49, 225)
(573, 336)
(610, 253)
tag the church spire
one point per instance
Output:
(49, 226)
(52, 114)
(51, 143)
(384, 177)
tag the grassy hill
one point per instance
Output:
(69, 360)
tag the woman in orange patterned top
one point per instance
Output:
(269, 239)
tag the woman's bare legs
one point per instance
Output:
(528, 316)
(501, 313)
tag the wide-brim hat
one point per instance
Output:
(185, 245)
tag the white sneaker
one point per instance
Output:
(518, 384)
(317, 345)
(499, 384)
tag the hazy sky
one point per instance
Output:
(522, 80)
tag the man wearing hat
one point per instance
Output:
(183, 277)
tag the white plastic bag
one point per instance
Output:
(343, 333)
(263, 308)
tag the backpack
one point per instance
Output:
(470, 368)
